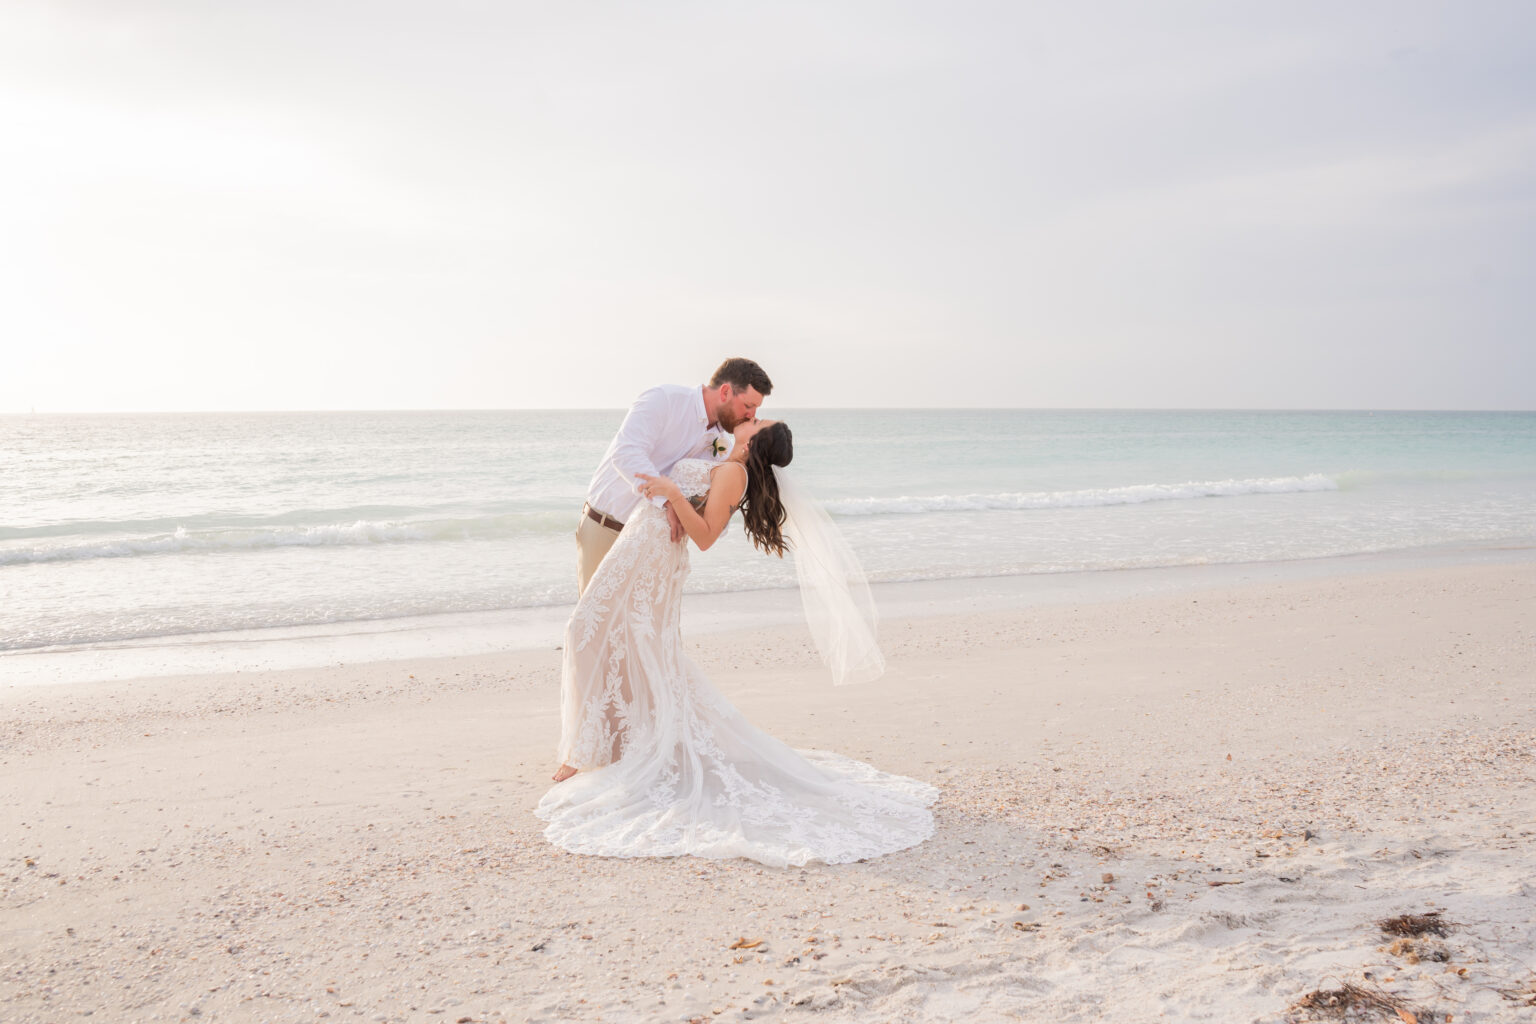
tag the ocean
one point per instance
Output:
(130, 529)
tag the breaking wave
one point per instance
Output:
(338, 534)
(1091, 498)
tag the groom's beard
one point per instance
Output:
(728, 421)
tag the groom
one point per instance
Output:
(666, 423)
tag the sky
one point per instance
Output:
(454, 204)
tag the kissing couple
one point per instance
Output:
(654, 761)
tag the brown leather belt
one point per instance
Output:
(600, 519)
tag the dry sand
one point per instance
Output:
(1192, 806)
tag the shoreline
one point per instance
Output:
(541, 627)
(1185, 804)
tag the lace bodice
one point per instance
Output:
(692, 476)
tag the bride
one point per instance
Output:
(655, 762)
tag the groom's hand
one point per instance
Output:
(676, 524)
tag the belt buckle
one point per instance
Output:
(602, 519)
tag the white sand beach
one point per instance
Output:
(1194, 805)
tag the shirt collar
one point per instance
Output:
(698, 397)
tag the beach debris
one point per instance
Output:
(1026, 926)
(1525, 995)
(1416, 950)
(1416, 925)
(1225, 881)
(1107, 877)
(1354, 1002)
(745, 943)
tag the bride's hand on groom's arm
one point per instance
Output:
(663, 487)
(658, 487)
(703, 528)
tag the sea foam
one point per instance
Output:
(359, 532)
(1101, 496)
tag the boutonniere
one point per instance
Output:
(717, 447)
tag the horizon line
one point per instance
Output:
(787, 408)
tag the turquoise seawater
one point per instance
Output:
(114, 528)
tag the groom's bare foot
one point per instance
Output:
(564, 772)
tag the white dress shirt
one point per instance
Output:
(665, 424)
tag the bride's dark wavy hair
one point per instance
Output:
(761, 511)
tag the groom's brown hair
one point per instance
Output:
(742, 374)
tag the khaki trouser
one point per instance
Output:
(592, 542)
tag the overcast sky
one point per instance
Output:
(311, 204)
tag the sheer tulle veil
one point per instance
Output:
(838, 605)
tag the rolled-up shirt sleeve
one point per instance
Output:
(646, 418)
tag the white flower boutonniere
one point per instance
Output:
(718, 447)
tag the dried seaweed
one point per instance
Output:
(1525, 995)
(1416, 925)
(1352, 1002)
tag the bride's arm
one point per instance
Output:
(726, 484)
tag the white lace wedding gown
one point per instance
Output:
(668, 766)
